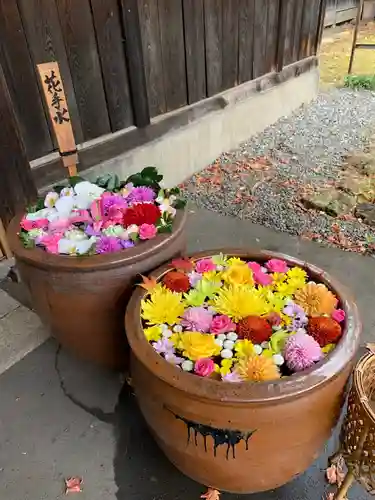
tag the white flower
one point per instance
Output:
(232, 336)
(187, 365)
(278, 359)
(116, 231)
(64, 206)
(166, 206)
(40, 214)
(75, 235)
(177, 328)
(227, 354)
(86, 193)
(51, 199)
(228, 344)
(167, 333)
(68, 191)
(258, 349)
(265, 345)
(219, 342)
(163, 327)
(71, 247)
(132, 229)
(221, 336)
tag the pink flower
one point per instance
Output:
(277, 266)
(255, 267)
(262, 278)
(301, 351)
(204, 266)
(222, 324)
(28, 225)
(60, 225)
(147, 231)
(80, 216)
(116, 214)
(96, 210)
(197, 319)
(51, 242)
(204, 367)
(338, 315)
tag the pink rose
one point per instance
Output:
(205, 266)
(255, 267)
(277, 266)
(116, 213)
(28, 225)
(262, 278)
(204, 367)
(338, 315)
(147, 231)
(222, 324)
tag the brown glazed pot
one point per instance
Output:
(243, 437)
(82, 299)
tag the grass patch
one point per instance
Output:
(360, 82)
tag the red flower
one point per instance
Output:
(324, 330)
(141, 213)
(254, 328)
(176, 281)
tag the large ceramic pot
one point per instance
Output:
(82, 299)
(242, 437)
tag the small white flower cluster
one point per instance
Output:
(227, 342)
(278, 359)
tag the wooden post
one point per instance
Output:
(58, 109)
(17, 188)
(355, 35)
(281, 34)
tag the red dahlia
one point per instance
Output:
(324, 330)
(176, 281)
(141, 213)
(254, 328)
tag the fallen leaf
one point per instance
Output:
(211, 494)
(148, 283)
(182, 264)
(329, 496)
(331, 474)
(73, 485)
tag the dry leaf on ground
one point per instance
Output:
(73, 485)
(211, 494)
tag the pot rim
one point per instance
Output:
(43, 260)
(243, 392)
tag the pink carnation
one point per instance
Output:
(222, 324)
(197, 319)
(338, 315)
(204, 266)
(147, 231)
(51, 242)
(60, 225)
(28, 225)
(204, 367)
(277, 266)
(262, 278)
(301, 351)
(255, 267)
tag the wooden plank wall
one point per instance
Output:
(126, 61)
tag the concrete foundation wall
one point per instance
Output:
(181, 153)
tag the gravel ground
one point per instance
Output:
(303, 151)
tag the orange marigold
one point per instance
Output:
(257, 369)
(324, 330)
(315, 299)
(254, 328)
(176, 281)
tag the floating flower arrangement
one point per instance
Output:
(236, 320)
(87, 218)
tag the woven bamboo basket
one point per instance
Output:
(358, 432)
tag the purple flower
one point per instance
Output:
(172, 358)
(301, 351)
(90, 231)
(110, 200)
(127, 243)
(297, 314)
(108, 244)
(194, 278)
(232, 377)
(197, 319)
(163, 346)
(141, 194)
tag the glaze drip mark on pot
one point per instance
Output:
(221, 437)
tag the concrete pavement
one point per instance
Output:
(60, 417)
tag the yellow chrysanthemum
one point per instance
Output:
(238, 274)
(244, 348)
(328, 348)
(226, 366)
(162, 306)
(286, 320)
(234, 261)
(196, 345)
(257, 369)
(285, 288)
(278, 278)
(153, 333)
(296, 273)
(239, 301)
(213, 276)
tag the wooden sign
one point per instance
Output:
(58, 110)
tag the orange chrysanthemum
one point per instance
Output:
(176, 281)
(257, 369)
(315, 299)
(324, 330)
(254, 328)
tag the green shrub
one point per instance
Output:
(366, 82)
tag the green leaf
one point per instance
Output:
(26, 240)
(75, 179)
(165, 228)
(208, 288)
(59, 187)
(180, 204)
(194, 298)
